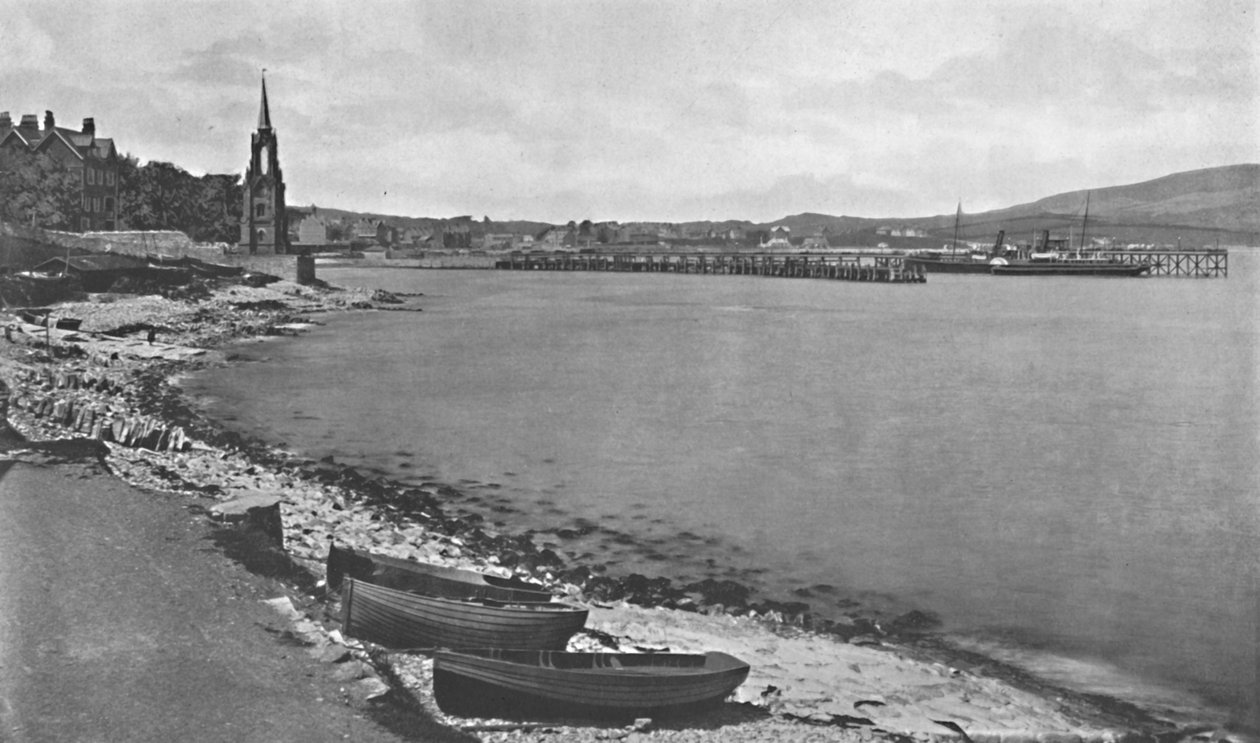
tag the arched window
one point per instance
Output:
(260, 209)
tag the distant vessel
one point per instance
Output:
(952, 260)
(1057, 263)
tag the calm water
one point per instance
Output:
(1065, 470)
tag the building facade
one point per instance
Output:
(264, 223)
(94, 159)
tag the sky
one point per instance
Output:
(645, 110)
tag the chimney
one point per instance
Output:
(29, 121)
(89, 126)
(49, 121)
(6, 121)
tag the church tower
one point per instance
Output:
(264, 223)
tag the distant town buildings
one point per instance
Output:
(264, 222)
(312, 230)
(778, 237)
(901, 232)
(95, 159)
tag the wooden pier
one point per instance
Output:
(885, 268)
(1191, 263)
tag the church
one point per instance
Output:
(264, 222)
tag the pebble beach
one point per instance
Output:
(859, 680)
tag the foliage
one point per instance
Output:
(163, 196)
(340, 231)
(38, 190)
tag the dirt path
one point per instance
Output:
(121, 620)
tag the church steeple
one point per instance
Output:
(264, 112)
(264, 221)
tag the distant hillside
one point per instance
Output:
(1197, 207)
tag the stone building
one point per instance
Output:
(264, 223)
(94, 158)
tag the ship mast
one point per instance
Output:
(1084, 221)
(957, 217)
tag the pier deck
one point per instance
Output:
(844, 267)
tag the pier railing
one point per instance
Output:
(886, 268)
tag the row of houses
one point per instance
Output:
(94, 161)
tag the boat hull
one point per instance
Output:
(517, 684)
(1071, 269)
(430, 580)
(400, 619)
(936, 265)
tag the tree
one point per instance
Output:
(163, 196)
(217, 209)
(39, 190)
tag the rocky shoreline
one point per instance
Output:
(813, 678)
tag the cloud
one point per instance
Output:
(652, 109)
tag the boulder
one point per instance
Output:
(257, 509)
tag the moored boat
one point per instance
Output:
(1057, 263)
(401, 619)
(431, 580)
(522, 683)
(949, 259)
(944, 262)
(1068, 266)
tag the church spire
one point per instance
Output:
(264, 112)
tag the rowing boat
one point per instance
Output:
(541, 683)
(401, 619)
(431, 580)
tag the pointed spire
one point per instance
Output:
(264, 112)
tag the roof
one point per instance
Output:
(264, 111)
(82, 145)
(93, 262)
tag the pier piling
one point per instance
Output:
(884, 268)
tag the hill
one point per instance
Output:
(1197, 207)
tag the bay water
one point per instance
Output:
(1065, 470)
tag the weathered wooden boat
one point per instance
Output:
(43, 317)
(514, 683)
(401, 619)
(431, 580)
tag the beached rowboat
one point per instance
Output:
(430, 580)
(401, 619)
(534, 683)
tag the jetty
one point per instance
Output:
(1189, 263)
(878, 267)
